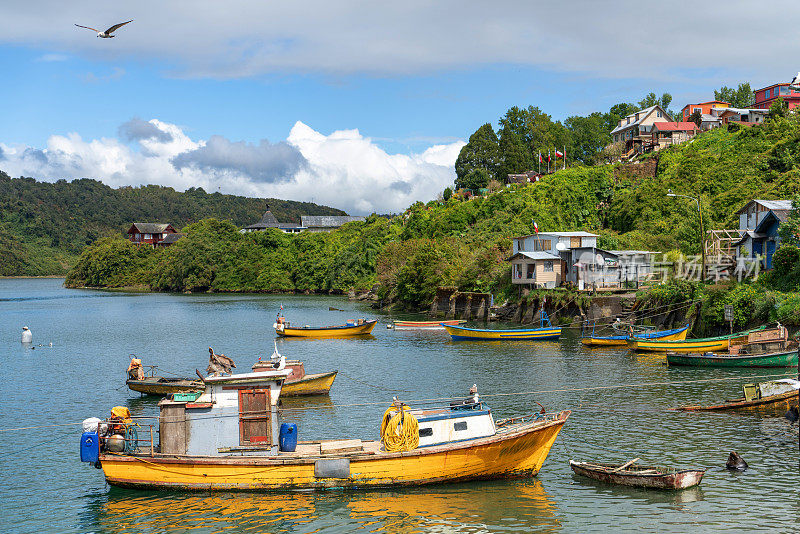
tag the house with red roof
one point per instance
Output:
(672, 133)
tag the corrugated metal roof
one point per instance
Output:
(769, 204)
(576, 233)
(171, 238)
(151, 228)
(537, 256)
(326, 221)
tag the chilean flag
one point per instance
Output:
(540, 158)
(535, 227)
(559, 154)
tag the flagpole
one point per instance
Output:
(540, 163)
(565, 157)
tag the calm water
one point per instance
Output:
(46, 488)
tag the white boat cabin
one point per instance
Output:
(236, 414)
(449, 425)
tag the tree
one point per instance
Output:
(482, 152)
(617, 113)
(447, 193)
(696, 117)
(589, 136)
(778, 109)
(741, 97)
(789, 230)
(652, 100)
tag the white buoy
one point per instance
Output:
(27, 336)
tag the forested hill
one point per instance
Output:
(44, 225)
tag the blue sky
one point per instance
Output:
(342, 96)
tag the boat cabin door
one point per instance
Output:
(255, 426)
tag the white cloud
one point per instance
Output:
(240, 38)
(344, 169)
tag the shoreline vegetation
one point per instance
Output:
(463, 241)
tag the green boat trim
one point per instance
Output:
(772, 359)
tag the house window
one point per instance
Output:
(148, 236)
(629, 120)
(697, 109)
(542, 244)
(517, 271)
(521, 245)
(658, 114)
(766, 94)
(531, 270)
(548, 266)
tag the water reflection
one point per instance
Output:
(456, 508)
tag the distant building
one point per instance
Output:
(149, 233)
(767, 95)
(325, 223)
(524, 178)
(549, 259)
(268, 220)
(672, 133)
(744, 116)
(639, 123)
(169, 240)
(705, 108)
(759, 221)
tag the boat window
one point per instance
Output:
(425, 432)
(461, 425)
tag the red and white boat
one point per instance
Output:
(425, 325)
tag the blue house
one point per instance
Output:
(759, 221)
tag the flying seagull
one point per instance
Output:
(106, 34)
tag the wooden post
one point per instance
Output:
(151, 440)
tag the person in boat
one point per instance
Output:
(135, 370)
(218, 364)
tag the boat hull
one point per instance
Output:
(678, 334)
(520, 452)
(329, 331)
(154, 387)
(316, 384)
(665, 481)
(774, 359)
(460, 333)
(780, 402)
(657, 345)
(425, 325)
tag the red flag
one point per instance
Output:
(540, 158)
(535, 227)
(559, 154)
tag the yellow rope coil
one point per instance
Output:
(399, 430)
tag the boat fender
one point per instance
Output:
(736, 462)
(333, 468)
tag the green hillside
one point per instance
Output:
(44, 226)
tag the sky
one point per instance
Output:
(363, 106)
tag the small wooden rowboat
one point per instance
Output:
(639, 476)
(707, 344)
(460, 333)
(772, 359)
(354, 328)
(675, 334)
(425, 325)
(780, 402)
(162, 386)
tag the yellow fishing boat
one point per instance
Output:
(298, 382)
(709, 344)
(622, 340)
(351, 328)
(229, 439)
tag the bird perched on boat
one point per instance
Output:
(218, 364)
(106, 34)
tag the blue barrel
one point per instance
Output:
(288, 437)
(90, 447)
